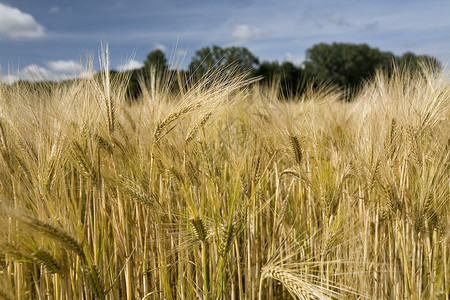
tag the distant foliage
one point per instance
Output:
(156, 59)
(216, 57)
(345, 64)
(416, 63)
(349, 65)
(291, 79)
(341, 65)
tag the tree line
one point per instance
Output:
(342, 65)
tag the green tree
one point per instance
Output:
(156, 59)
(416, 63)
(215, 57)
(345, 64)
(269, 70)
(134, 88)
(290, 77)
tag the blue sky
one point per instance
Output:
(52, 38)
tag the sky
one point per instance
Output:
(55, 39)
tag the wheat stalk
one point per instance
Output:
(295, 283)
(161, 126)
(49, 230)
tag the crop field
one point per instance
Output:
(224, 190)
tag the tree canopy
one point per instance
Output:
(340, 64)
(290, 77)
(345, 64)
(215, 57)
(156, 59)
(415, 63)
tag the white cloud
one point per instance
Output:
(85, 74)
(338, 19)
(17, 24)
(296, 60)
(9, 79)
(161, 47)
(130, 65)
(181, 52)
(54, 9)
(35, 73)
(246, 32)
(54, 71)
(65, 66)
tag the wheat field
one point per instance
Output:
(224, 190)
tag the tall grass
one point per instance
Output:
(225, 191)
